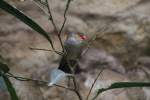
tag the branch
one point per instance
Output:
(50, 15)
(35, 80)
(53, 23)
(74, 80)
(94, 84)
(76, 89)
(67, 7)
(59, 53)
(25, 19)
(59, 34)
(39, 3)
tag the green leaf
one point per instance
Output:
(24, 18)
(123, 85)
(4, 68)
(10, 88)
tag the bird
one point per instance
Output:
(74, 46)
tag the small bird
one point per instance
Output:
(74, 45)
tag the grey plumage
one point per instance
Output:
(74, 49)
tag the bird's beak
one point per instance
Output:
(82, 36)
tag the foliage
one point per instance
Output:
(10, 88)
(24, 18)
(4, 70)
(123, 85)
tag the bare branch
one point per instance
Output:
(50, 16)
(54, 25)
(76, 90)
(58, 52)
(94, 83)
(35, 80)
(39, 4)
(67, 7)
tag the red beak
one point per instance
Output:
(83, 37)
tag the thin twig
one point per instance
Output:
(38, 4)
(41, 2)
(50, 15)
(35, 80)
(76, 89)
(58, 52)
(59, 34)
(69, 65)
(94, 84)
(145, 71)
(78, 94)
(61, 42)
(64, 87)
(67, 7)
(54, 25)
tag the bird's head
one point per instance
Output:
(77, 35)
(82, 36)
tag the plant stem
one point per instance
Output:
(76, 89)
(35, 80)
(93, 84)
(58, 52)
(54, 25)
(66, 9)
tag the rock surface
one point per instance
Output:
(121, 46)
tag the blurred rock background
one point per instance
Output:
(122, 43)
